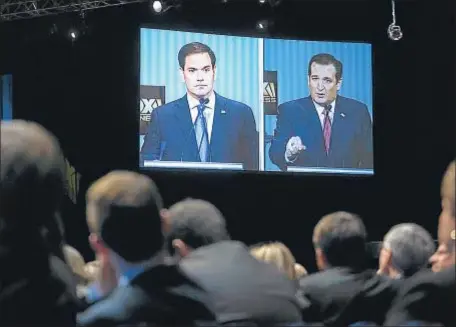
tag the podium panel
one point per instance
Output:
(192, 165)
(319, 170)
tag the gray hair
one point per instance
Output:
(411, 246)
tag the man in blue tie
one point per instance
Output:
(202, 126)
(323, 129)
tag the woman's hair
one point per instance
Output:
(277, 254)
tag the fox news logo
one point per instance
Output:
(269, 92)
(146, 106)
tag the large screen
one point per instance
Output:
(241, 103)
(6, 97)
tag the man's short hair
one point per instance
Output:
(411, 247)
(123, 207)
(448, 186)
(32, 178)
(342, 238)
(197, 223)
(326, 59)
(194, 48)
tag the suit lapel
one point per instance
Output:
(185, 125)
(313, 128)
(339, 127)
(219, 126)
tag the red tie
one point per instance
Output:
(327, 128)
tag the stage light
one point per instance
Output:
(73, 34)
(262, 25)
(157, 6)
(261, 1)
(394, 30)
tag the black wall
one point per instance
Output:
(86, 93)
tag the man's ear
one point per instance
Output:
(384, 261)
(181, 74)
(96, 244)
(165, 220)
(321, 259)
(181, 248)
(215, 72)
(339, 84)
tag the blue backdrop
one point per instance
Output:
(290, 58)
(6, 97)
(237, 64)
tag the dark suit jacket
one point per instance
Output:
(171, 135)
(241, 288)
(36, 287)
(427, 297)
(341, 296)
(351, 135)
(161, 295)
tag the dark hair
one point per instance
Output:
(197, 223)
(126, 214)
(342, 238)
(326, 59)
(32, 175)
(194, 48)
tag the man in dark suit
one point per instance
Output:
(344, 292)
(202, 126)
(36, 286)
(430, 296)
(126, 233)
(324, 129)
(240, 288)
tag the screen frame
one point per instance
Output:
(335, 172)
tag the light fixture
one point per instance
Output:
(160, 7)
(394, 31)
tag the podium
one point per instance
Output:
(192, 165)
(320, 170)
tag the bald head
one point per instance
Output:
(32, 172)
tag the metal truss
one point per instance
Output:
(23, 9)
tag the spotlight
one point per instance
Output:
(73, 34)
(261, 1)
(157, 6)
(394, 30)
(262, 25)
(160, 7)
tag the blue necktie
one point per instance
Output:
(202, 140)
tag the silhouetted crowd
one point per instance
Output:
(179, 266)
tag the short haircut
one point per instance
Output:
(411, 246)
(342, 238)
(32, 177)
(195, 48)
(448, 186)
(326, 59)
(197, 223)
(123, 207)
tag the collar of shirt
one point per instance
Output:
(194, 103)
(321, 111)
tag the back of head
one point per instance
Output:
(411, 246)
(123, 209)
(197, 223)
(341, 236)
(277, 254)
(31, 174)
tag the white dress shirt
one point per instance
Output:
(321, 113)
(208, 111)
